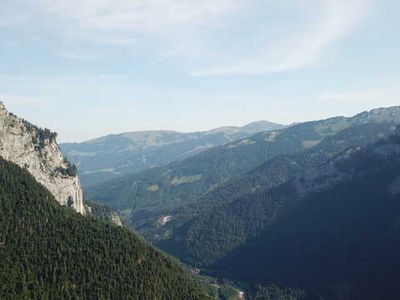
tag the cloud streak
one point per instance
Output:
(189, 31)
(297, 50)
(126, 20)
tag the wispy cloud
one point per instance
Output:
(141, 16)
(190, 30)
(299, 49)
(123, 22)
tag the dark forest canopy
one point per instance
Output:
(50, 252)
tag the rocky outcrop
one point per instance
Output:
(104, 213)
(115, 219)
(37, 151)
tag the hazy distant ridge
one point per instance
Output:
(120, 154)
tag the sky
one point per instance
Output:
(86, 68)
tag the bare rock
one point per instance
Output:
(37, 151)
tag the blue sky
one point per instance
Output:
(88, 68)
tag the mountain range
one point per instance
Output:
(115, 155)
(146, 197)
(306, 211)
(303, 212)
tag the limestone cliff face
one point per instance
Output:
(37, 151)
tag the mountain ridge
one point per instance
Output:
(152, 191)
(337, 232)
(120, 154)
(202, 239)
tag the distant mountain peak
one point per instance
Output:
(262, 125)
(253, 127)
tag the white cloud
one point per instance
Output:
(141, 16)
(187, 30)
(123, 19)
(124, 22)
(297, 50)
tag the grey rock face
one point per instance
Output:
(37, 151)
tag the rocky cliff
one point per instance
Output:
(37, 151)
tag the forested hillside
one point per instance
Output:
(237, 211)
(146, 198)
(50, 252)
(340, 238)
(147, 195)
